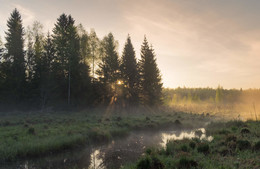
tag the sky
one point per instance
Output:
(202, 43)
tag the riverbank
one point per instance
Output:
(36, 134)
(235, 144)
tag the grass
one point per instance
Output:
(235, 145)
(35, 134)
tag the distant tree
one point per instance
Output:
(109, 67)
(94, 50)
(150, 78)
(219, 95)
(14, 62)
(129, 72)
(84, 44)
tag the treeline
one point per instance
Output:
(69, 67)
(210, 95)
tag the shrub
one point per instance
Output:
(144, 163)
(257, 146)
(170, 147)
(184, 148)
(31, 131)
(223, 151)
(232, 145)
(177, 122)
(245, 131)
(230, 138)
(192, 144)
(156, 163)
(224, 132)
(187, 163)
(243, 144)
(148, 151)
(203, 148)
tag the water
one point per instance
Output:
(111, 155)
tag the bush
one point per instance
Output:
(156, 163)
(245, 131)
(192, 144)
(187, 163)
(31, 131)
(177, 122)
(148, 151)
(203, 148)
(243, 144)
(144, 163)
(230, 138)
(224, 132)
(223, 151)
(170, 147)
(257, 146)
(232, 145)
(184, 148)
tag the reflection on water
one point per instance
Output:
(177, 135)
(96, 161)
(112, 155)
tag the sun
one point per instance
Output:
(119, 82)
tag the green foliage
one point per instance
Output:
(192, 145)
(150, 78)
(184, 148)
(257, 146)
(13, 64)
(109, 68)
(170, 147)
(129, 74)
(145, 163)
(203, 148)
(148, 162)
(243, 144)
(186, 163)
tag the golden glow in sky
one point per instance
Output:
(197, 43)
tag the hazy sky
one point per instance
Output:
(198, 43)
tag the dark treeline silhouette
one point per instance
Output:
(69, 67)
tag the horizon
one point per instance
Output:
(196, 44)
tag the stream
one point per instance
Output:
(114, 154)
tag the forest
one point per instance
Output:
(71, 68)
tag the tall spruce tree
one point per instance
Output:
(150, 79)
(14, 59)
(109, 67)
(71, 74)
(129, 73)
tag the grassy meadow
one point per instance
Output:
(35, 134)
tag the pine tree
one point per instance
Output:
(109, 67)
(14, 58)
(150, 79)
(129, 73)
